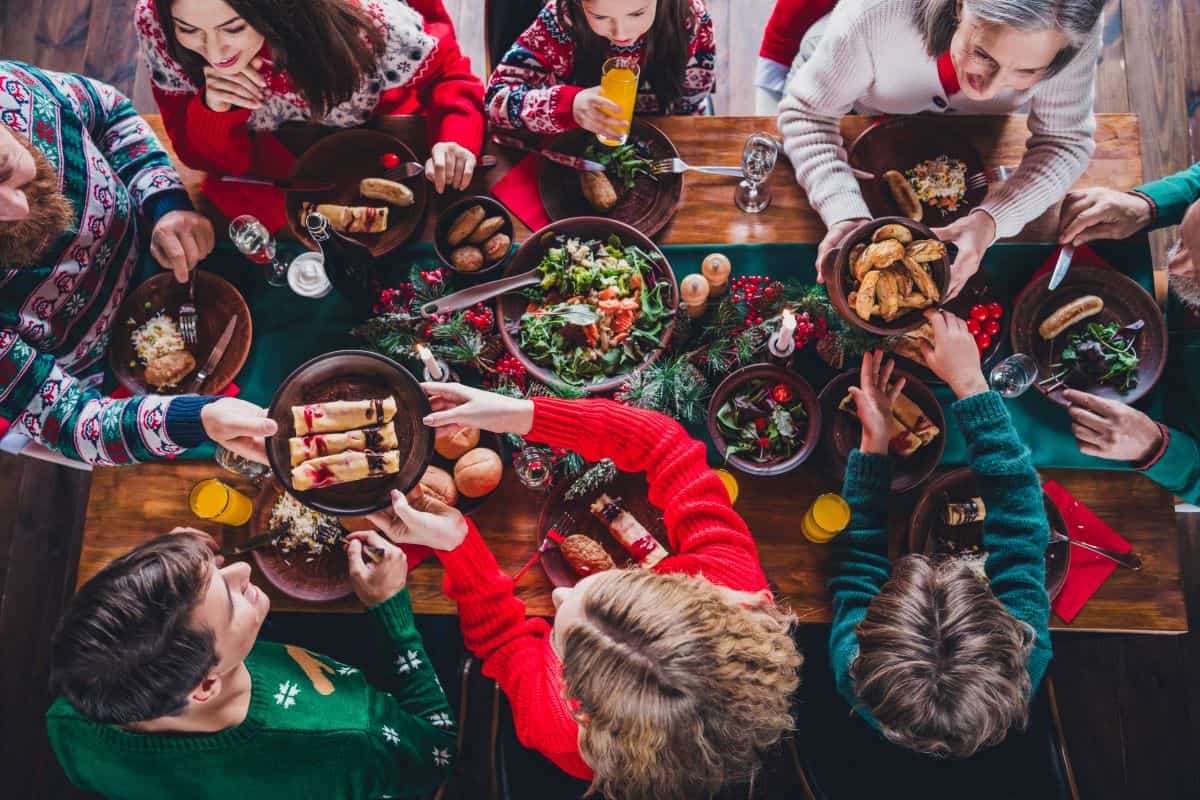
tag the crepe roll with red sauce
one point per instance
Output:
(915, 419)
(901, 441)
(342, 415)
(346, 467)
(317, 445)
(632, 535)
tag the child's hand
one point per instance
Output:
(873, 402)
(375, 583)
(598, 114)
(954, 355)
(450, 165)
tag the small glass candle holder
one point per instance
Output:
(535, 468)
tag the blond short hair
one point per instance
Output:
(680, 686)
(942, 665)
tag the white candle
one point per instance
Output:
(783, 343)
(433, 368)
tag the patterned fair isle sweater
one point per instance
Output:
(316, 728)
(872, 60)
(1014, 534)
(532, 86)
(706, 537)
(56, 316)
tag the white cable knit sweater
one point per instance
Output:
(872, 60)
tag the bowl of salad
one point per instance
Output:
(764, 419)
(604, 308)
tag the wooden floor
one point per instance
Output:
(1131, 705)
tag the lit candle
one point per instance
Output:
(783, 343)
(693, 294)
(434, 369)
(715, 269)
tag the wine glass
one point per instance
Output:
(758, 161)
(1013, 376)
(256, 243)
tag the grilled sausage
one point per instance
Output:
(1075, 311)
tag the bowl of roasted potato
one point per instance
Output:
(474, 237)
(886, 273)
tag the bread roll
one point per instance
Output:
(488, 228)
(496, 247)
(465, 225)
(467, 258)
(438, 484)
(454, 445)
(478, 472)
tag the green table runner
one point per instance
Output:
(289, 330)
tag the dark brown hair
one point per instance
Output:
(127, 649)
(327, 47)
(942, 665)
(667, 45)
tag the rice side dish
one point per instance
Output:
(157, 337)
(303, 529)
(940, 182)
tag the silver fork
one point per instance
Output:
(989, 175)
(187, 314)
(674, 166)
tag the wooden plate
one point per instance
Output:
(841, 432)
(1124, 302)
(344, 159)
(959, 485)
(511, 306)
(318, 579)
(648, 206)
(634, 494)
(901, 143)
(801, 389)
(217, 301)
(353, 375)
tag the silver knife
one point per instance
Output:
(574, 162)
(214, 357)
(1060, 268)
(286, 184)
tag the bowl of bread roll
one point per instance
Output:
(474, 237)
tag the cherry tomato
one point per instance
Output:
(974, 327)
(995, 310)
(390, 160)
(979, 312)
(983, 340)
(991, 327)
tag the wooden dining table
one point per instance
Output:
(127, 506)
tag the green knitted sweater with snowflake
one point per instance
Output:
(316, 729)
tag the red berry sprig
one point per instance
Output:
(480, 317)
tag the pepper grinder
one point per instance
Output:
(716, 268)
(693, 294)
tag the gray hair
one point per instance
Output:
(1075, 19)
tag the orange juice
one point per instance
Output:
(215, 500)
(731, 484)
(826, 518)
(619, 83)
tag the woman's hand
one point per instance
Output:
(375, 583)
(245, 89)
(238, 426)
(450, 164)
(598, 114)
(1111, 429)
(421, 519)
(833, 238)
(456, 406)
(972, 235)
(181, 240)
(1101, 214)
(873, 402)
(954, 355)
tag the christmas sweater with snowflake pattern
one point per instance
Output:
(706, 537)
(57, 316)
(531, 86)
(316, 728)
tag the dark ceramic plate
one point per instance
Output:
(353, 375)
(319, 579)
(957, 486)
(841, 433)
(801, 390)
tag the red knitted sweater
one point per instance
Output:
(705, 534)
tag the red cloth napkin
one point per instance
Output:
(1088, 570)
(519, 191)
(120, 393)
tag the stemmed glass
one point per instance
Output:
(758, 161)
(256, 243)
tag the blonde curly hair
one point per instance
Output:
(681, 685)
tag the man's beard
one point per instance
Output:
(50, 214)
(1185, 287)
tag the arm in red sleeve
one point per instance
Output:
(709, 537)
(789, 21)
(219, 141)
(515, 650)
(453, 95)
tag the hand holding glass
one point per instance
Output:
(619, 83)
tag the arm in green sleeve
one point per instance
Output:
(1172, 195)
(1178, 470)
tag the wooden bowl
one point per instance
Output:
(836, 270)
(841, 432)
(959, 485)
(319, 579)
(344, 159)
(353, 375)
(648, 206)
(1124, 302)
(901, 143)
(217, 301)
(801, 390)
(511, 306)
(492, 208)
(634, 493)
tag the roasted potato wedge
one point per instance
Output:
(887, 291)
(855, 255)
(894, 231)
(865, 302)
(914, 300)
(926, 250)
(879, 256)
(923, 280)
(598, 190)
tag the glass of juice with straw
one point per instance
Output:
(826, 518)
(619, 83)
(216, 500)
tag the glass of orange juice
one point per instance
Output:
(826, 518)
(619, 83)
(216, 500)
